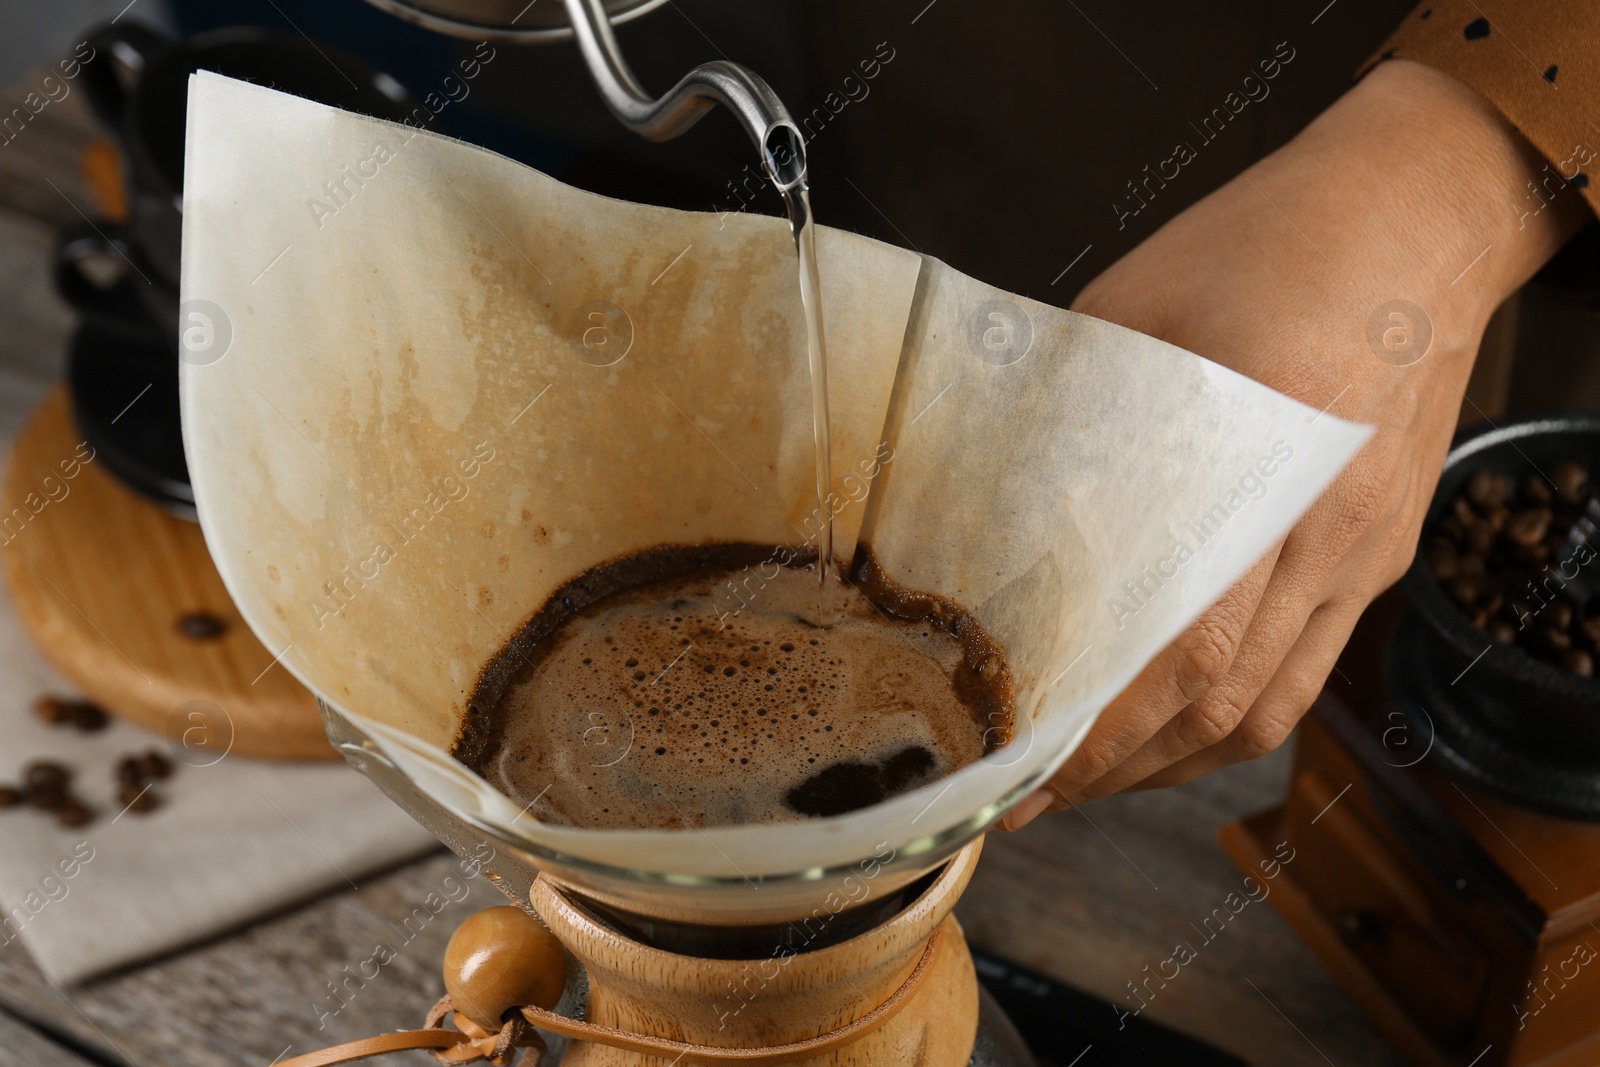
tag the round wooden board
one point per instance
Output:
(100, 577)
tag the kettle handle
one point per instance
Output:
(123, 52)
(117, 304)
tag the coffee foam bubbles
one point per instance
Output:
(652, 708)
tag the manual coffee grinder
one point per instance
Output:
(1444, 809)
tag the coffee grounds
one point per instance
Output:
(848, 785)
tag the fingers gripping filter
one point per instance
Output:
(452, 384)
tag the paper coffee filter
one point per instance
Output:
(427, 385)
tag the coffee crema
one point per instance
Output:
(686, 687)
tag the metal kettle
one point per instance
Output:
(662, 118)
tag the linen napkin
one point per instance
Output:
(231, 841)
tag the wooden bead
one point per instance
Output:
(502, 958)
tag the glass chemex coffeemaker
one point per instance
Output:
(422, 414)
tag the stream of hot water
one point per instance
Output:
(798, 201)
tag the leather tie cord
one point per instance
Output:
(472, 1043)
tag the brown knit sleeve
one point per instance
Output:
(1536, 61)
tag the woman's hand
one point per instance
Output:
(1410, 189)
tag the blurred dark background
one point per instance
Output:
(997, 137)
(1001, 137)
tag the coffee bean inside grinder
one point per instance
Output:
(1517, 556)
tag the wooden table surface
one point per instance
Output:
(1091, 896)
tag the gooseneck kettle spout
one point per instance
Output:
(662, 118)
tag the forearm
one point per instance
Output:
(1417, 188)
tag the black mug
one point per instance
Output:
(121, 373)
(134, 300)
(139, 88)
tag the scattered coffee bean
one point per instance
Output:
(136, 774)
(1535, 490)
(45, 799)
(74, 813)
(201, 626)
(89, 718)
(138, 799)
(52, 710)
(1579, 662)
(45, 775)
(1502, 632)
(47, 785)
(154, 766)
(80, 714)
(128, 772)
